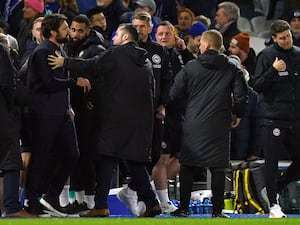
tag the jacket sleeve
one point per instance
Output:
(240, 94)
(92, 67)
(264, 74)
(166, 78)
(40, 67)
(6, 76)
(179, 88)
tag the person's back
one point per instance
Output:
(216, 94)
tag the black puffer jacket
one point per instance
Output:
(123, 100)
(10, 158)
(279, 91)
(209, 83)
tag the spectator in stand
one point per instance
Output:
(226, 21)
(194, 37)
(32, 10)
(148, 6)
(201, 7)
(294, 20)
(166, 10)
(113, 10)
(185, 19)
(246, 138)
(203, 19)
(99, 23)
(69, 8)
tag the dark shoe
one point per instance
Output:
(95, 213)
(36, 208)
(152, 212)
(21, 214)
(53, 207)
(74, 208)
(220, 215)
(180, 213)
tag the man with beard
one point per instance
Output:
(51, 119)
(84, 43)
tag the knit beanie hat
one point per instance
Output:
(197, 29)
(37, 5)
(241, 40)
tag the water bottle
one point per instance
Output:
(191, 207)
(199, 208)
(207, 206)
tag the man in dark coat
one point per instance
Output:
(277, 82)
(84, 43)
(208, 83)
(10, 157)
(51, 120)
(124, 105)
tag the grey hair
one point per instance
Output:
(230, 9)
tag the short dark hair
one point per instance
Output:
(131, 30)
(93, 12)
(51, 23)
(165, 23)
(81, 18)
(279, 26)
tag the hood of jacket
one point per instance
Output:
(136, 54)
(212, 59)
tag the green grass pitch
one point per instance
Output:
(151, 221)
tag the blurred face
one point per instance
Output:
(99, 20)
(79, 31)
(118, 38)
(184, 21)
(36, 32)
(284, 39)
(295, 24)
(234, 50)
(104, 3)
(194, 43)
(143, 28)
(29, 13)
(165, 36)
(221, 18)
(203, 45)
(62, 33)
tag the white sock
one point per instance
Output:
(64, 196)
(90, 201)
(71, 196)
(131, 192)
(79, 196)
(154, 189)
(163, 195)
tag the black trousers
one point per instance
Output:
(54, 155)
(11, 191)
(277, 136)
(186, 178)
(83, 177)
(140, 181)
